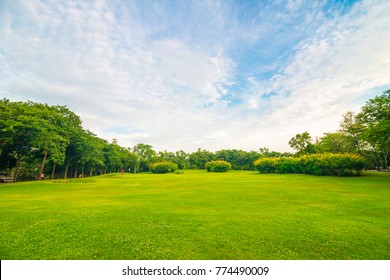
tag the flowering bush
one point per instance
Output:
(218, 166)
(315, 164)
(163, 167)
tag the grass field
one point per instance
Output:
(197, 215)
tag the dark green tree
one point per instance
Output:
(374, 119)
(199, 158)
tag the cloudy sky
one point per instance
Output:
(189, 74)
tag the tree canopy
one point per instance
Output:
(38, 139)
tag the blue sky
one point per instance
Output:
(189, 74)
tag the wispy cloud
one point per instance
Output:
(183, 75)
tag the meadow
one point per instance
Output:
(197, 215)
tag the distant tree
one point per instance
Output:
(164, 156)
(374, 122)
(336, 142)
(302, 143)
(353, 129)
(182, 159)
(92, 153)
(62, 123)
(199, 158)
(74, 150)
(131, 160)
(17, 129)
(146, 155)
(265, 152)
(113, 157)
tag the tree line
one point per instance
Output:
(38, 139)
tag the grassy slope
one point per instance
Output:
(197, 215)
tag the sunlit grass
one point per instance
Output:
(197, 215)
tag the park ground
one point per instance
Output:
(238, 215)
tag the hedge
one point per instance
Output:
(163, 167)
(315, 164)
(218, 166)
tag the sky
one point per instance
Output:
(183, 75)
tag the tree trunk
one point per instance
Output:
(385, 155)
(42, 165)
(66, 168)
(16, 174)
(82, 170)
(90, 172)
(52, 172)
(77, 168)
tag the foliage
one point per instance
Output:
(303, 144)
(315, 164)
(337, 142)
(267, 165)
(218, 166)
(163, 167)
(374, 119)
(41, 139)
(239, 159)
(146, 156)
(199, 158)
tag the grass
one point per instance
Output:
(197, 215)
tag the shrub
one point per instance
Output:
(315, 164)
(218, 166)
(290, 165)
(163, 167)
(268, 165)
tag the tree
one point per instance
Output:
(352, 128)
(113, 157)
(302, 143)
(374, 119)
(182, 159)
(16, 131)
(74, 149)
(92, 152)
(68, 123)
(199, 158)
(131, 160)
(146, 154)
(336, 142)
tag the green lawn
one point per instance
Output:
(197, 215)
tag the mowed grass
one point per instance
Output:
(197, 215)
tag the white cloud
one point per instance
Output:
(156, 82)
(344, 60)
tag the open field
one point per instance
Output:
(197, 215)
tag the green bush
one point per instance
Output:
(218, 166)
(290, 165)
(267, 165)
(163, 167)
(315, 164)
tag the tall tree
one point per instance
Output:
(302, 143)
(374, 119)
(352, 128)
(92, 152)
(16, 131)
(181, 159)
(199, 158)
(146, 155)
(336, 142)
